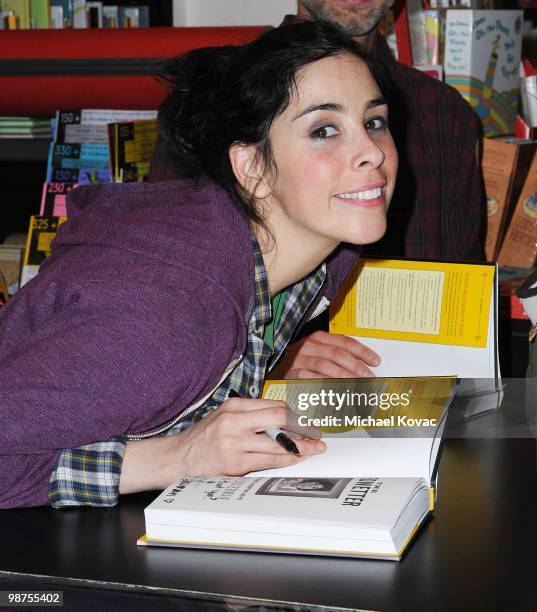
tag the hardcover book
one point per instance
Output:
(366, 496)
(519, 245)
(505, 166)
(481, 60)
(426, 318)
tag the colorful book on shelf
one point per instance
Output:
(366, 496)
(110, 17)
(41, 233)
(53, 199)
(24, 127)
(21, 11)
(18, 121)
(505, 167)
(519, 247)
(136, 16)
(80, 15)
(62, 13)
(82, 163)
(131, 148)
(90, 125)
(481, 60)
(40, 14)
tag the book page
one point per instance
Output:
(349, 457)
(381, 406)
(391, 444)
(403, 358)
(284, 504)
(408, 300)
(416, 301)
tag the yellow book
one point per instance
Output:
(41, 233)
(422, 317)
(133, 144)
(427, 318)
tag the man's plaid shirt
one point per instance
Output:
(89, 475)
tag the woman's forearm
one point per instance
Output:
(150, 464)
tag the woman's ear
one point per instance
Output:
(248, 169)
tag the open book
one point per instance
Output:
(365, 496)
(426, 318)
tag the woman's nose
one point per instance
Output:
(367, 154)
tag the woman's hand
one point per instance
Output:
(228, 442)
(324, 355)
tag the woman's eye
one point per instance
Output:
(376, 124)
(324, 132)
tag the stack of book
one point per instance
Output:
(24, 127)
(56, 14)
(89, 146)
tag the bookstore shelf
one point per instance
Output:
(18, 149)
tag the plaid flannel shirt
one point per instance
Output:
(89, 475)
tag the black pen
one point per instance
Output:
(275, 433)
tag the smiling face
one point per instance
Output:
(335, 159)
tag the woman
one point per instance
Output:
(156, 302)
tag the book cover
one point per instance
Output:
(110, 16)
(129, 17)
(132, 149)
(21, 8)
(519, 247)
(56, 17)
(482, 57)
(505, 166)
(41, 233)
(53, 199)
(425, 36)
(80, 14)
(65, 7)
(90, 125)
(82, 163)
(40, 14)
